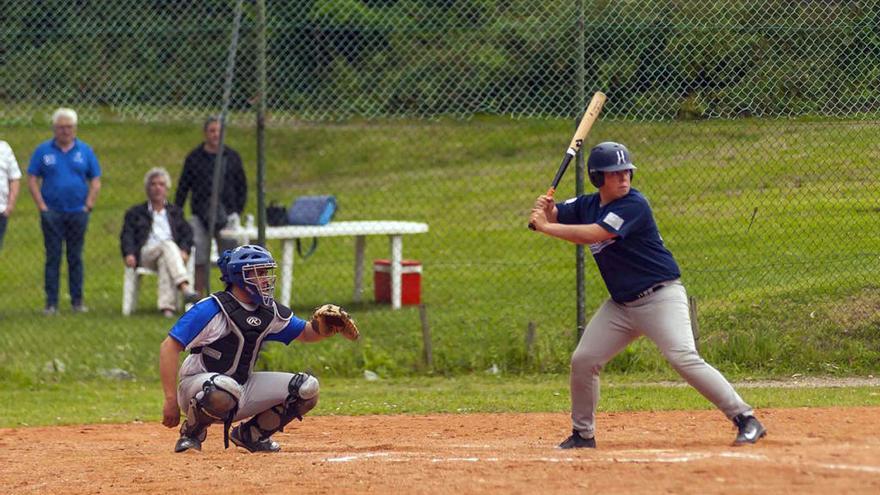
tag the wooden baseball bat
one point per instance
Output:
(577, 141)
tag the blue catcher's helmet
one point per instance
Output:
(222, 261)
(252, 269)
(607, 157)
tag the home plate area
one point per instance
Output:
(807, 450)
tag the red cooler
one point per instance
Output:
(410, 283)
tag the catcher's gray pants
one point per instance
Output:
(662, 317)
(264, 389)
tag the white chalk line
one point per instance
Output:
(641, 456)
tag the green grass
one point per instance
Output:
(791, 287)
(107, 401)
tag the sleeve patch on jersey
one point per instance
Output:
(569, 201)
(613, 220)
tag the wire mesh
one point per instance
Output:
(752, 123)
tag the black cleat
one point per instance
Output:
(576, 441)
(261, 445)
(185, 443)
(749, 429)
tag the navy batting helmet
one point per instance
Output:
(607, 157)
(251, 268)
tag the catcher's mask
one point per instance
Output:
(252, 269)
(608, 157)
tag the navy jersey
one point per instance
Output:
(636, 258)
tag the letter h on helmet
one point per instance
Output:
(252, 269)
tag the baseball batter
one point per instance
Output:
(647, 297)
(224, 334)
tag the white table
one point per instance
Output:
(360, 230)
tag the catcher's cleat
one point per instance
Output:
(749, 429)
(576, 441)
(185, 443)
(261, 445)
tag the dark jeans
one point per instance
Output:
(3, 220)
(70, 228)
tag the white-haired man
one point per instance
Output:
(155, 235)
(64, 178)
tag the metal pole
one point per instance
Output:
(217, 182)
(261, 122)
(581, 100)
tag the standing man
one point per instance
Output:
(155, 235)
(10, 176)
(64, 179)
(224, 334)
(647, 297)
(197, 177)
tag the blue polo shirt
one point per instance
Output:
(65, 175)
(635, 259)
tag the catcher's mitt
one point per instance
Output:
(331, 319)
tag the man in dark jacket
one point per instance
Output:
(197, 178)
(156, 236)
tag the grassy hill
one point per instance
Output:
(774, 223)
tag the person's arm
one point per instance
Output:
(184, 233)
(94, 187)
(309, 334)
(13, 195)
(578, 234)
(169, 357)
(183, 185)
(34, 186)
(127, 240)
(239, 181)
(545, 219)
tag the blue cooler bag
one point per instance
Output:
(312, 210)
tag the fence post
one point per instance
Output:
(261, 122)
(580, 104)
(695, 324)
(428, 353)
(530, 342)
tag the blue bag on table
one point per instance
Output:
(311, 210)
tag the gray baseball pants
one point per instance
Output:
(662, 317)
(263, 389)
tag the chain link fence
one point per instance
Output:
(752, 124)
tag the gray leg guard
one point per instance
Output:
(216, 402)
(302, 398)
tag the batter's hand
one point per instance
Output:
(545, 203)
(170, 413)
(538, 219)
(130, 261)
(542, 212)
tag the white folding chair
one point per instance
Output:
(131, 281)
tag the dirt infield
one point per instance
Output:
(821, 451)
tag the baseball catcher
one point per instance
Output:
(224, 334)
